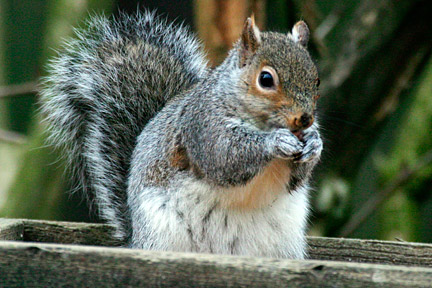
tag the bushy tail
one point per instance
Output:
(102, 90)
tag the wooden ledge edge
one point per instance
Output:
(66, 264)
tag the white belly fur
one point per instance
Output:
(258, 219)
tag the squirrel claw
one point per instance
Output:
(312, 149)
(286, 144)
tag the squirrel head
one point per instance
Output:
(282, 80)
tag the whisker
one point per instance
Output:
(324, 119)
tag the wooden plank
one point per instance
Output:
(11, 229)
(56, 232)
(320, 248)
(53, 265)
(371, 251)
(68, 233)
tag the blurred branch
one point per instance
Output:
(18, 89)
(374, 56)
(12, 137)
(390, 102)
(404, 175)
(219, 23)
(310, 12)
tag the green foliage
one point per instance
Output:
(369, 54)
(38, 189)
(376, 110)
(25, 22)
(412, 139)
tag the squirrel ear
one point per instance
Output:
(250, 40)
(300, 33)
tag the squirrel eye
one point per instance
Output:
(318, 82)
(266, 80)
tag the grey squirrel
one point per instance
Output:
(181, 157)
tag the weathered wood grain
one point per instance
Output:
(334, 262)
(11, 229)
(53, 265)
(320, 248)
(371, 251)
(56, 232)
(68, 233)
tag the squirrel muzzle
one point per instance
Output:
(300, 121)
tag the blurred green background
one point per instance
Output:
(375, 177)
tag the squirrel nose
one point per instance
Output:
(303, 121)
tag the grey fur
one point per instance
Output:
(169, 148)
(104, 88)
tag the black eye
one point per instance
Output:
(318, 82)
(266, 80)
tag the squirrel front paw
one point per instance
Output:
(312, 149)
(284, 144)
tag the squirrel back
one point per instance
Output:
(103, 89)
